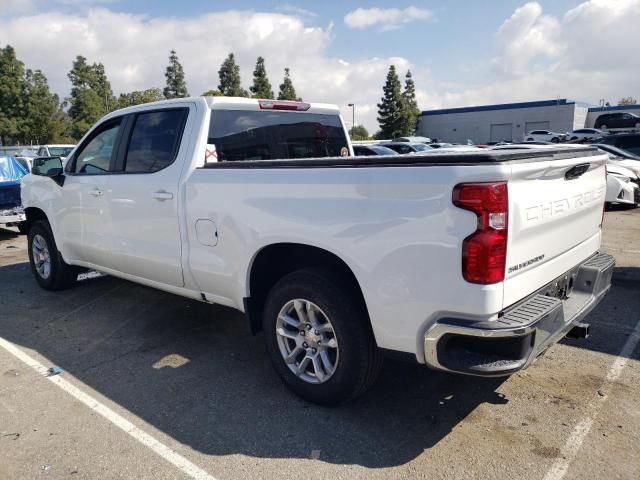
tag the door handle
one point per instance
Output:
(96, 192)
(162, 195)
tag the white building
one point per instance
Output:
(509, 121)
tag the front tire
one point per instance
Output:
(49, 269)
(319, 338)
(555, 140)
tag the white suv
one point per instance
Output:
(545, 136)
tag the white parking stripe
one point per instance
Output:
(119, 421)
(560, 467)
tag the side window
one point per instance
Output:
(155, 139)
(95, 155)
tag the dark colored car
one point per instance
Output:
(408, 147)
(625, 141)
(617, 120)
(618, 152)
(367, 150)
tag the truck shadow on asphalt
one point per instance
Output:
(194, 372)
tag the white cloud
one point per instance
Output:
(295, 10)
(16, 6)
(387, 18)
(588, 53)
(135, 50)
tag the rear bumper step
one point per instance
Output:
(511, 342)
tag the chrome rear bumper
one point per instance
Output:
(525, 330)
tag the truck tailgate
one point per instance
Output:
(555, 215)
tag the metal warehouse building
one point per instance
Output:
(509, 121)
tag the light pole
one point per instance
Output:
(353, 117)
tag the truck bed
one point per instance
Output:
(430, 159)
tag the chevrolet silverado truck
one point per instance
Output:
(470, 262)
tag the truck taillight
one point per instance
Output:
(283, 105)
(484, 252)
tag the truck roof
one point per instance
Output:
(231, 103)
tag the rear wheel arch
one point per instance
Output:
(274, 261)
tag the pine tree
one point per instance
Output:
(91, 95)
(42, 110)
(176, 87)
(261, 87)
(287, 91)
(391, 107)
(229, 74)
(12, 88)
(140, 96)
(412, 112)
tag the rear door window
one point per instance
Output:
(155, 139)
(270, 135)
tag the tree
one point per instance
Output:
(261, 87)
(12, 89)
(140, 96)
(391, 107)
(229, 74)
(287, 91)
(212, 93)
(411, 110)
(42, 112)
(627, 101)
(358, 132)
(91, 95)
(176, 87)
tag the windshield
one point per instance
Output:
(268, 135)
(60, 151)
(420, 147)
(380, 150)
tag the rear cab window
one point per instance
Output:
(271, 135)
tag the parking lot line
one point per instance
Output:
(572, 446)
(119, 421)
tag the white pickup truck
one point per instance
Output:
(471, 262)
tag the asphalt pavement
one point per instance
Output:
(154, 386)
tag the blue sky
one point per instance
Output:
(461, 52)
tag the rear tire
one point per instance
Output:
(49, 269)
(323, 310)
(555, 140)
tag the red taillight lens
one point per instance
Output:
(484, 252)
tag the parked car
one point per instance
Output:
(612, 121)
(26, 156)
(407, 147)
(440, 144)
(623, 186)
(333, 258)
(619, 152)
(11, 175)
(55, 150)
(585, 134)
(366, 150)
(416, 139)
(545, 136)
(625, 141)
